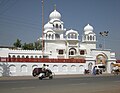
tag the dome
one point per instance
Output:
(48, 26)
(71, 31)
(88, 28)
(55, 15)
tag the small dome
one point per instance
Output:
(48, 26)
(88, 28)
(55, 15)
(71, 31)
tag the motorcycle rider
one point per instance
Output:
(44, 67)
(47, 70)
(47, 67)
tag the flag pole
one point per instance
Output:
(42, 27)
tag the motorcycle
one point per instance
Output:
(42, 74)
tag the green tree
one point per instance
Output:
(28, 46)
(24, 46)
(17, 44)
(38, 45)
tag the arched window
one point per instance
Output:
(55, 68)
(81, 69)
(82, 52)
(93, 38)
(46, 35)
(49, 35)
(60, 52)
(56, 25)
(12, 68)
(13, 56)
(75, 36)
(18, 56)
(73, 68)
(72, 36)
(64, 68)
(24, 68)
(27, 56)
(60, 26)
(52, 36)
(90, 37)
(57, 36)
(85, 37)
(69, 36)
(9, 56)
(34, 66)
(23, 56)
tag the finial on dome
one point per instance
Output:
(88, 24)
(54, 6)
(55, 14)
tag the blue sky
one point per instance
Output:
(22, 19)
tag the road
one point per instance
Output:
(93, 84)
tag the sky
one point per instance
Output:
(22, 19)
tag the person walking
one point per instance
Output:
(94, 70)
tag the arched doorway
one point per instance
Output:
(72, 51)
(90, 66)
(55, 68)
(81, 69)
(101, 62)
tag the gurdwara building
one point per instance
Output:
(63, 51)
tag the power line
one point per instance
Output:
(8, 4)
(18, 21)
(17, 18)
(19, 25)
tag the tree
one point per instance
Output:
(24, 46)
(17, 44)
(38, 45)
(28, 46)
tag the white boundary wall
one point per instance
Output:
(25, 69)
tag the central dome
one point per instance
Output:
(88, 28)
(55, 15)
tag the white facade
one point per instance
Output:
(60, 43)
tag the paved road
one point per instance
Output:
(92, 84)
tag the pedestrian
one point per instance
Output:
(94, 70)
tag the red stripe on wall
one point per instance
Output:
(42, 60)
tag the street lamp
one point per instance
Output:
(104, 34)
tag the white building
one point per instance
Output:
(59, 43)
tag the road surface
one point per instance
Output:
(93, 84)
